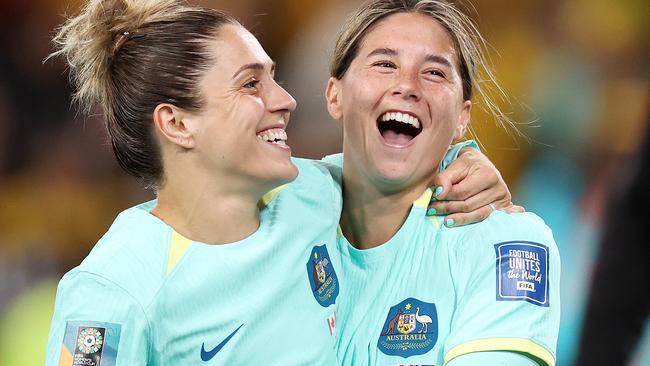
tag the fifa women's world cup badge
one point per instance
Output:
(322, 278)
(411, 328)
(90, 343)
(89, 348)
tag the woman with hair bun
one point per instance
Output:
(230, 264)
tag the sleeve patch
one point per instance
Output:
(90, 343)
(522, 272)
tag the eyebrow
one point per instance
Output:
(438, 59)
(383, 51)
(429, 58)
(252, 66)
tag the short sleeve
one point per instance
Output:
(507, 275)
(492, 358)
(95, 320)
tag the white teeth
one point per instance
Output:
(401, 117)
(276, 136)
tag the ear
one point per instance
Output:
(463, 120)
(332, 94)
(169, 121)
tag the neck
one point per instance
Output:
(371, 216)
(208, 212)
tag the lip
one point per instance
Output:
(285, 148)
(276, 126)
(393, 146)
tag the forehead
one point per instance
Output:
(235, 46)
(413, 32)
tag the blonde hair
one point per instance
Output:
(477, 76)
(128, 56)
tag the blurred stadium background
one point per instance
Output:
(577, 71)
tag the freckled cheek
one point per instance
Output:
(363, 97)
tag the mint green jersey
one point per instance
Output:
(146, 295)
(432, 294)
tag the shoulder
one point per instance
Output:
(318, 184)
(501, 223)
(498, 239)
(503, 247)
(501, 227)
(132, 254)
(316, 172)
(87, 300)
(506, 275)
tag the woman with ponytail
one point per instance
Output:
(229, 264)
(192, 110)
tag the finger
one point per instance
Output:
(513, 209)
(476, 181)
(440, 186)
(460, 219)
(475, 202)
(455, 172)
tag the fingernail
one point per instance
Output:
(450, 222)
(433, 199)
(438, 191)
(431, 211)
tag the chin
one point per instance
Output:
(395, 177)
(284, 173)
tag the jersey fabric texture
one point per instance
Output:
(433, 294)
(146, 295)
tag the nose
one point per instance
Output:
(280, 100)
(406, 86)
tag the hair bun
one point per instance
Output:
(89, 40)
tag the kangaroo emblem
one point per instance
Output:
(391, 324)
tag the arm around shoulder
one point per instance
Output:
(96, 319)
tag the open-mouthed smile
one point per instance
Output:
(398, 128)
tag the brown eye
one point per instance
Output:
(385, 64)
(435, 72)
(251, 84)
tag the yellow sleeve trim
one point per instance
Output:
(521, 345)
(269, 196)
(178, 247)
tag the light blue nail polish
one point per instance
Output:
(438, 191)
(431, 211)
(450, 222)
(433, 199)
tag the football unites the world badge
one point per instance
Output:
(411, 328)
(522, 272)
(322, 277)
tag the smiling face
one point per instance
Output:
(239, 133)
(400, 102)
